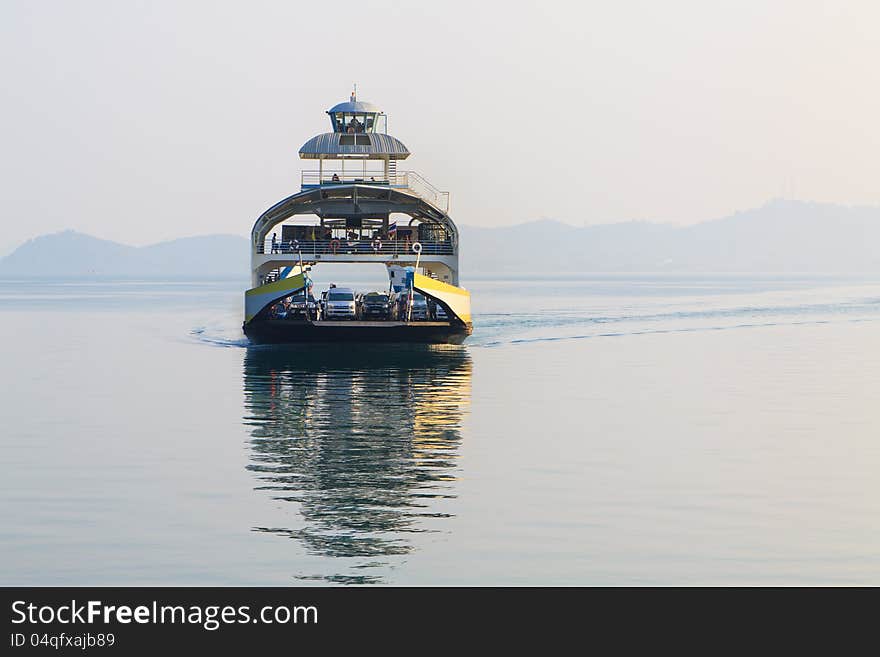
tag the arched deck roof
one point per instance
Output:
(373, 145)
(345, 200)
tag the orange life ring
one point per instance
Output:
(334, 245)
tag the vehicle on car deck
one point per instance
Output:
(301, 307)
(374, 305)
(419, 309)
(340, 304)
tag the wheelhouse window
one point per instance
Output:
(354, 122)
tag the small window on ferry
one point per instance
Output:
(346, 140)
(369, 120)
(363, 140)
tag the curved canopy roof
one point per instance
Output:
(373, 145)
(354, 106)
(348, 200)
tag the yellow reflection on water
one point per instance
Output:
(364, 440)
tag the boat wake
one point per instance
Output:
(215, 339)
(693, 329)
(494, 330)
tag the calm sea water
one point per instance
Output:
(605, 430)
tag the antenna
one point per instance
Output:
(354, 94)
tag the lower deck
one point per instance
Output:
(289, 331)
(362, 323)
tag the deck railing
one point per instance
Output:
(308, 248)
(426, 190)
(402, 179)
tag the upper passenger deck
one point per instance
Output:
(404, 180)
(357, 153)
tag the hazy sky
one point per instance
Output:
(143, 121)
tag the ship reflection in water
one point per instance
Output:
(364, 440)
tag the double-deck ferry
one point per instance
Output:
(357, 207)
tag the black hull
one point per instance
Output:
(291, 331)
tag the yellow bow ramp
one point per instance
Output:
(258, 298)
(457, 298)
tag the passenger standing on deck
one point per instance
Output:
(274, 243)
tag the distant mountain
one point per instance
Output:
(72, 254)
(779, 237)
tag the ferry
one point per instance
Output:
(357, 207)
